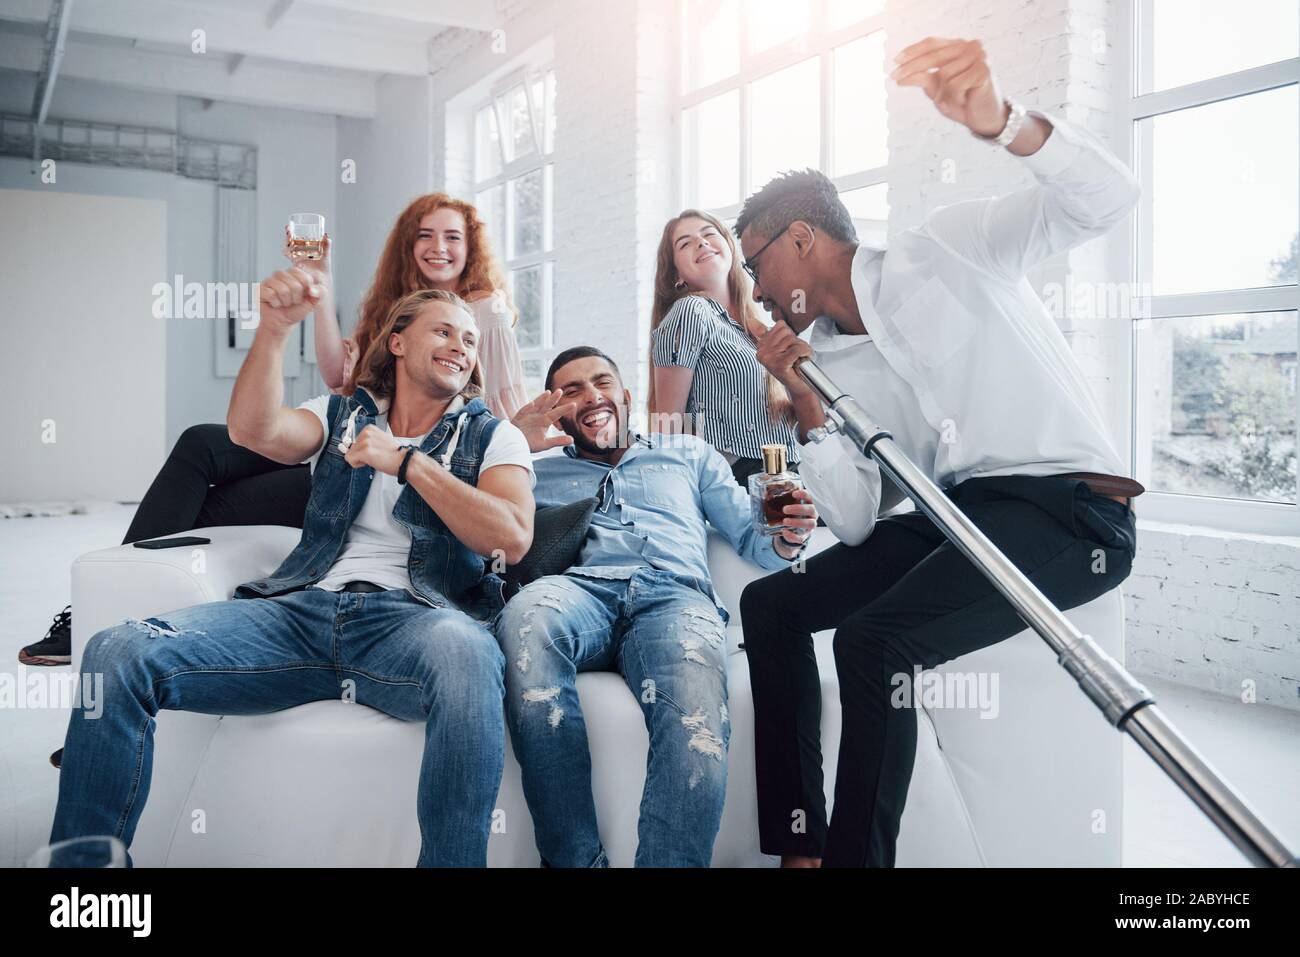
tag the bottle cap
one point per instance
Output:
(773, 459)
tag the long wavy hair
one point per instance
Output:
(740, 291)
(376, 371)
(398, 274)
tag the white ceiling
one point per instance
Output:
(321, 55)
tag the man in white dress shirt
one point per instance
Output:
(943, 341)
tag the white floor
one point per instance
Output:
(1256, 747)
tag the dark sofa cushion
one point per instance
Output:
(558, 534)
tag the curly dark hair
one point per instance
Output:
(807, 195)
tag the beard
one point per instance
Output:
(592, 446)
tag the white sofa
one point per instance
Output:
(332, 783)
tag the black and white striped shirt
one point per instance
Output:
(728, 397)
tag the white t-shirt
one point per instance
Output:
(377, 547)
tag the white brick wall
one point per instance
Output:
(1217, 611)
(596, 190)
(1042, 53)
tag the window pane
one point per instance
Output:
(1218, 407)
(785, 122)
(548, 207)
(535, 375)
(869, 207)
(869, 202)
(527, 226)
(711, 51)
(487, 144)
(548, 118)
(711, 141)
(1222, 186)
(1191, 40)
(518, 124)
(491, 206)
(776, 21)
(861, 125)
(841, 13)
(528, 290)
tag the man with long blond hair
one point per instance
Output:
(382, 602)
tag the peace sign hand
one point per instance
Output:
(537, 417)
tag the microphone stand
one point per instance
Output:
(1126, 704)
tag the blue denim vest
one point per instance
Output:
(443, 571)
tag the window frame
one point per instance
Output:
(1132, 108)
(818, 43)
(540, 160)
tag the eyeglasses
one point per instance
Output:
(749, 263)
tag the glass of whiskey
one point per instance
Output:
(306, 231)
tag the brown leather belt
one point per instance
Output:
(1118, 487)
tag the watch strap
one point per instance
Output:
(1015, 120)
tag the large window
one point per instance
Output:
(775, 85)
(514, 142)
(1216, 143)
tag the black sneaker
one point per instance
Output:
(56, 647)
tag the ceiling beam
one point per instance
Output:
(277, 11)
(479, 15)
(56, 36)
(206, 78)
(231, 31)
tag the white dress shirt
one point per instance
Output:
(962, 361)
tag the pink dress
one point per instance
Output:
(498, 356)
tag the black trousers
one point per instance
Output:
(902, 598)
(208, 480)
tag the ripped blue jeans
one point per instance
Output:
(666, 638)
(252, 656)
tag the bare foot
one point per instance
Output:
(795, 861)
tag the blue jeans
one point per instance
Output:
(665, 636)
(252, 656)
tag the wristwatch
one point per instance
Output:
(1015, 120)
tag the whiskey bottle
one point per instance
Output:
(771, 490)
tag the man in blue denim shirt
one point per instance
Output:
(639, 601)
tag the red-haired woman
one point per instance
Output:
(437, 243)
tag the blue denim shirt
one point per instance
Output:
(654, 506)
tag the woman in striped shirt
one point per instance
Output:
(704, 364)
